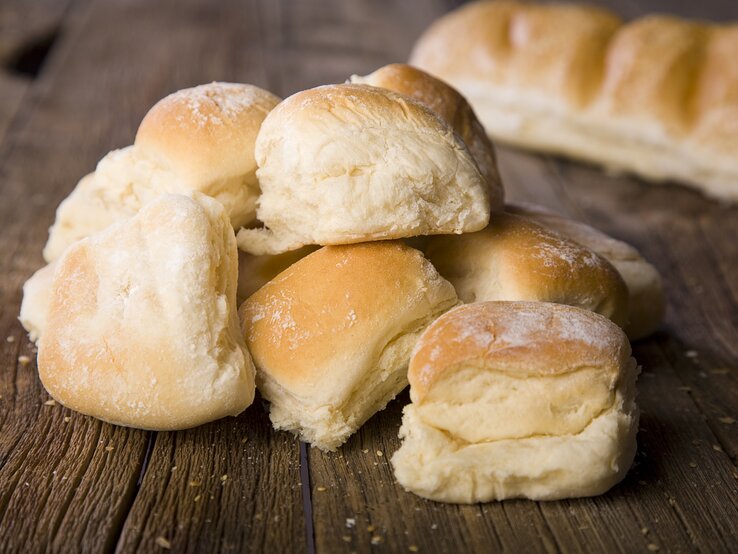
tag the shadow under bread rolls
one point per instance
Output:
(142, 328)
(647, 302)
(331, 336)
(343, 164)
(256, 271)
(196, 139)
(518, 400)
(452, 107)
(656, 96)
(515, 258)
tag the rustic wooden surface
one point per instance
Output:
(75, 80)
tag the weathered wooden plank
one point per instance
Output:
(12, 89)
(233, 485)
(29, 25)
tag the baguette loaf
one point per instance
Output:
(657, 96)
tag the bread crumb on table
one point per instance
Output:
(24, 360)
(163, 543)
(51, 402)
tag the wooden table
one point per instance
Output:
(78, 77)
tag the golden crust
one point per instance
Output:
(520, 338)
(656, 96)
(451, 106)
(514, 258)
(207, 133)
(318, 325)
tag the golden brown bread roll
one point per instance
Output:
(452, 107)
(657, 96)
(331, 336)
(196, 139)
(647, 303)
(515, 258)
(343, 164)
(518, 399)
(142, 328)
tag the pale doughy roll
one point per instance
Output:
(452, 107)
(343, 164)
(142, 328)
(331, 336)
(197, 139)
(35, 304)
(647, 301)
(515, 258)
(518, 400)
(657, 96)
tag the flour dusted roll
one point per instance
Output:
(342, 164)
(452, 107)
(647, 302)
(518, 399)
(331, 336)
(36, 298)
(657, 96)
(142, 328)
(515, 258)
(197, 139)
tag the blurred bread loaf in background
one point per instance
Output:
(657, 96)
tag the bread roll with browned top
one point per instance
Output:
(331, 336)
(142, 328)
(197, 139)
(657, 96)
(647, 302)
(515, 258)
(518, 400)
(452, 107)
(343, 164)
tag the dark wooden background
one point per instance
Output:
(76, 77)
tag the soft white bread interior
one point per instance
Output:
(36, 297)
(657, 96)
(647, 301)
(518, 399)
(347, 163)
(515, 258)
(452, 107)
(256, 271)
(331, 336)
(197, 139)
(142, 328)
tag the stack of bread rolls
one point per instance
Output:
(364, 212)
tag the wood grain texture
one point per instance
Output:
(28, 24)
(70, 483)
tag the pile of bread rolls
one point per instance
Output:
(376, 251)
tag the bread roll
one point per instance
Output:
(452, 107)
(515, 258)
(197, 139)
(142, 328)
(647, 302)
(331, 336)
(256, 271)
(518, 399)
(657, 96)
(36, 298)
(343, 164)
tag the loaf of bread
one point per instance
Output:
(518, 399)
(647, 303)
(452, 107)
(657, 96)
(331, 336)
(197, 139)
(515, 258)
(142, 328)
(343, 164)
